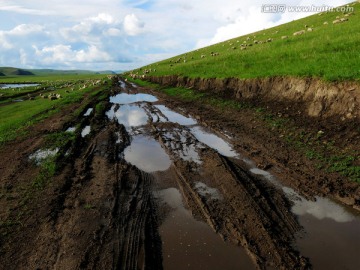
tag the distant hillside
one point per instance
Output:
(10, 71)
(43, 72)
(324, 45)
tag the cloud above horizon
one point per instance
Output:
(113, 34)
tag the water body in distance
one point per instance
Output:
(15, 85)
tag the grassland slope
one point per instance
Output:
(326, 46)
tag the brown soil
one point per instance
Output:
(99, 212)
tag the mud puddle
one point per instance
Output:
(175, 117)
(132, 98)
(331, 232)
(128, 115)
(86, 131)
(42, 154)
(192, 244)
(147, 154)
(88, 112)
(213, 141)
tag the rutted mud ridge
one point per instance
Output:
(151, 188)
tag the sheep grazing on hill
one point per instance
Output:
(325, 23)
(203, 56)
(214, 53)
(298, 33)
(284, 37)
(310, 29)
(269, 40)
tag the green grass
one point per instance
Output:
(17, 116)
(330, 52)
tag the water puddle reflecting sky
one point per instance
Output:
(42, 154)
(132, 98)
(71, 129)
(88, 112)
(176, 117)
(128, 115)
(15, 85)
(86, 131)
(146, 154)
(213, 141)
(207, 192)
(191, 244)
(329, 229)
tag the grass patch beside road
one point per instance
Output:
(17, 116)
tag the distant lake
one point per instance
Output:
(17, 85)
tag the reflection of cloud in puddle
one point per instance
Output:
(147, 154)
(213, 141)
(85, 131)
(172, 197)
(130, 116)
(207, 191)
(43, 154)
(322, 208)
(88, 112)
(176, 117)
(128, 98)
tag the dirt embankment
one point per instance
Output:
(312, 97)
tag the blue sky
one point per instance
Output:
(124, 34)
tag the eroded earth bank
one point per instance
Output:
(154, 183)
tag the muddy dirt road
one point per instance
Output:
(150, 186)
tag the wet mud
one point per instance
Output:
(151, 187)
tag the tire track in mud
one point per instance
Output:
(250, 213)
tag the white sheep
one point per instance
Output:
(299, 33)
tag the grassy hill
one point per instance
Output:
(45, 72)
(10, 71)
(327, 50)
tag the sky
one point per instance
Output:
(125, 34)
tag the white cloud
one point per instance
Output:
(92, 54)
(22, 10)
(25, 29)
(110, 33)
(113, 32)
(4, 43)
(65, 54)
(132, 25)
